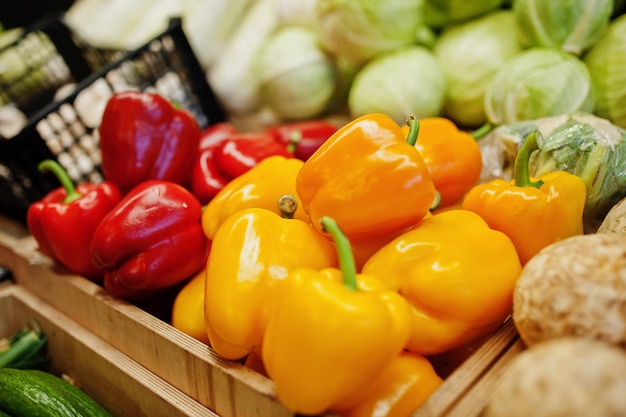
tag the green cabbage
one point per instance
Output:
(606, 61)
(296, 77)
(401, 83)
(358, 30)
(538, 82)
(570, 25)
(470, 55)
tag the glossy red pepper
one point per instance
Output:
(152, 239)
(206, 177)
(239, 153)
(64, 220)
(144, 137)
(302, 138)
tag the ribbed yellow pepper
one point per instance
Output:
(533, 212)
(458, 275)
(259, 187)
(252, 251)
(326, 340)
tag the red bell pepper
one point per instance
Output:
(64, 220)
(243, 151)
(151, 240)
(143, 137)
(302, 138)
(206, 178)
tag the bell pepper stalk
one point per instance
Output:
(400, 389)
(64, 220)
(331, 333)
(533, 212)
(144, 137)
(302, 138)
(458, 275)
(260, 187)
(369, 177)
(241, 152)
(251, 253)
(453, 158)
(151, 240)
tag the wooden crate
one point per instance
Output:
(226, 387)
(118, 383)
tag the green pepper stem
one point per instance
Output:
(414, 130)
(287, 204)
(482, 131)
(63, 177)
(520, 169)
(344, 252)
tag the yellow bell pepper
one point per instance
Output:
(458, 275)
(325, 340)
(188, 308)
(533, 212)
(401, 388)
(369, 177)
(252, 251)
(259, 187)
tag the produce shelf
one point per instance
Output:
(225, 387)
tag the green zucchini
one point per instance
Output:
(25, 393)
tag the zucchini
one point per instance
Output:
(88, 405)
(25, 393)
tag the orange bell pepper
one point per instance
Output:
(453, 157)
(400, 389)
(458, 275)
(259, 187)
(251, 253)
(369, 177)
(533, 212)
(326, 340)
(188, 308)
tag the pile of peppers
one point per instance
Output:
(336, 265)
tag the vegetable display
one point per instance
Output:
(394, 182)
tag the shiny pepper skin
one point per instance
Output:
(325, 343)
(368, 178)
(457, 273)
(252, 252)
(261, 187)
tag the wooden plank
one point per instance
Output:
(459, 384)
(114, 380)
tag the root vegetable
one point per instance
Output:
(615, 220)
(570, 377)
(574, 287)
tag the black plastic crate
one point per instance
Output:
(66, 130)
(45, 57)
